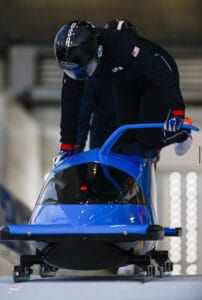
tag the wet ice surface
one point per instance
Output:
(101, 287)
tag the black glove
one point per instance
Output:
(174, 120)
(77, 148)
(66, 151)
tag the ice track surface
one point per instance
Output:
(102, 288)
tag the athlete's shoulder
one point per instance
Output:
(153, 46)
(117, 37)
(119, 43)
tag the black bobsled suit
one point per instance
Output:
(97, 113)
(145, 81)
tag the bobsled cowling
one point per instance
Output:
(94, 208)
(115, 214)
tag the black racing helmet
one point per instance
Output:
(77, 49)
(124, 25)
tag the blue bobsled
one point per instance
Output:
(96, 210)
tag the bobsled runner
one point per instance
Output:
(96, 210)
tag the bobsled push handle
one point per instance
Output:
(105, 149)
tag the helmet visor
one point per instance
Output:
(83, 72)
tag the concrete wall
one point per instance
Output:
(20, 148)
(22, 68)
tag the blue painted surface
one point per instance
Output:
(65, 229)
(171, 231)
(91, 215)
